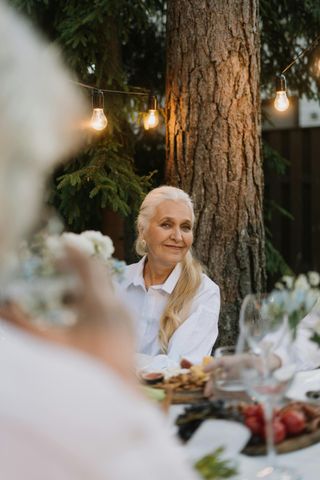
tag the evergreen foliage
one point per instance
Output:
(96, 38)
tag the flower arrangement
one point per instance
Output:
(297, 297)
(90, 242)
(39, 288)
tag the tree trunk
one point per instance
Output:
(213, 140)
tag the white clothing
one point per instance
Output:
(302, 350)
(192, 340)
(66, 416)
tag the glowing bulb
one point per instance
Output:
(151, 119)
(98, 120)
(281, 102)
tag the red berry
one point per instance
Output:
(254, 424)
(253, 410)
(294, 420)
(279, 431)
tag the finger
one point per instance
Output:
(89, 270)
(76, 260)
(208, 389)
(209, 367)
(213, 365)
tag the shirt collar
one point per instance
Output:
(136, 277)
(171, 281)
(134, 274)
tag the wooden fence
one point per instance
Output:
(298, 191)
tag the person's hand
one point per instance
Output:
(103, 326)
(230, 366)
(227, 367)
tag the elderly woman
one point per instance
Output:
(175, 305)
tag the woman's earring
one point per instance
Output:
(143, 244)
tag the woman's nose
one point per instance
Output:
(176, 234)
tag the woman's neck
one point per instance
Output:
(155, 274)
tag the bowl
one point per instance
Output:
(151, 378)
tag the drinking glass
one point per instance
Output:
(228, 381)
(264, 331)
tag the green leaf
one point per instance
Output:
(212, 467)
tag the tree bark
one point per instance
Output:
(213, 140)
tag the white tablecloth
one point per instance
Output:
(305, 461)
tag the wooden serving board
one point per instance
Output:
(187, 396)
(288, 445)
(179, 396)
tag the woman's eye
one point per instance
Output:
(186, 228)
(165, 225)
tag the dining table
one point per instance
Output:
(305, 461)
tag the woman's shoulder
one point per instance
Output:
(208, 286)
(132, 267)
(130, 272)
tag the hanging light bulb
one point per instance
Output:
(281, 102)
(98, 120)
(151, 118)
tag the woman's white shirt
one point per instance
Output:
(192, 340)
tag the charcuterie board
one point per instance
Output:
(301, 428)
(286, 446)
(296, 425)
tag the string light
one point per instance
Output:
(151, 118)
(98, 120)
(281, 102)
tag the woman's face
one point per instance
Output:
(169, 234)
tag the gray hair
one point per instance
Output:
(40, 110)
(149, 205)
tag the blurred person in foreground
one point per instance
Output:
(69, 408)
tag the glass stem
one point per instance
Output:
(268, 416)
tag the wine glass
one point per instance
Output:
(264, 332)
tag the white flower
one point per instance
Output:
(287, 280)
(78, 241)
(314, 279)
(316, 326)
(301, 283)
(54, 246)
(102, 244)
(312, 297)
(297, 297)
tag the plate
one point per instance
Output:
(304, 382)
(212, 434)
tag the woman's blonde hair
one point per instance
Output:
(189, 281)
